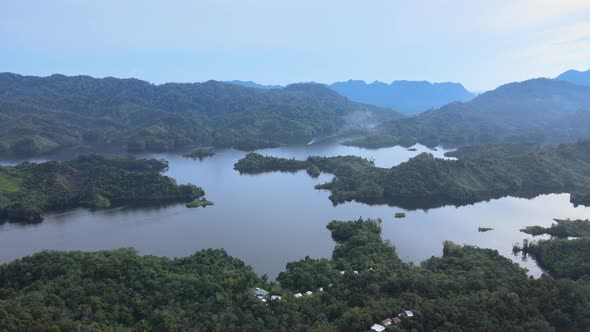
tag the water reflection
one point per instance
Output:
(270, 219)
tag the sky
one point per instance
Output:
(479, 43)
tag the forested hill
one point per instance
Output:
(365, 282)
(404, 96)
(41, 114)
(538, 110)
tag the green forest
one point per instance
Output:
(30, 189)
(566, 254)
(477, 173)
(39, 115)
(365, 282)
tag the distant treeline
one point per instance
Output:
(479, 173)
(30, 189)
(365, 282)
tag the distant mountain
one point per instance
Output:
(576, 77)
(251, 84)
(42, 114)
(538, 110)
(403, 96)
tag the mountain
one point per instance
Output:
(42, 114)
(404, 96)
(251, 84)
(537, 110)
(576, 77)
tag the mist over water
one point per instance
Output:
(270, 219)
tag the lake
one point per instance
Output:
(268, 220)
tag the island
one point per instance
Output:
(28, 190)
(476, 174)
(199, 203)
(363, 283)
(200, 154)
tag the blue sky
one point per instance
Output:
(481, 44)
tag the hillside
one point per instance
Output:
(404, 96)
(538, 110)
(575, 77)
(365, 282)
(42, 114)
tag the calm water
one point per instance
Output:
(270, 219)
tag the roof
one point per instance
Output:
(409, 313)
(396, 320)
(387, 322)
(298, 295)
(259, 292)
(377, 327)
(308, 292)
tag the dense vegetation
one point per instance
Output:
(562, 258)
(30, 189)
(562, 228)
(566, 254)
(200, 154)
(539, 110)
(467, 289)
(479, 173)
(41, 114)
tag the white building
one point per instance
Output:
(378, 328)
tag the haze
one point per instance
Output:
(481, 44)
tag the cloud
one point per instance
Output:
(562, 44)
(534, 13)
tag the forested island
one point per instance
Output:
(30, 189)
(566, 254)
(81, 113)
(200, 154)
(479, 173)
(364, 283)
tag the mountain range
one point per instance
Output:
(537, 110)
(408, 97)
(42, 114)
(575, 77)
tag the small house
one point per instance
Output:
(259, 292)
(409, 313)
(387, 322)
(298, 295)
(396, 320)
(308, 293)
(274, 297)
(377, 327)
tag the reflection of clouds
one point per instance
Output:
(271, 219)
